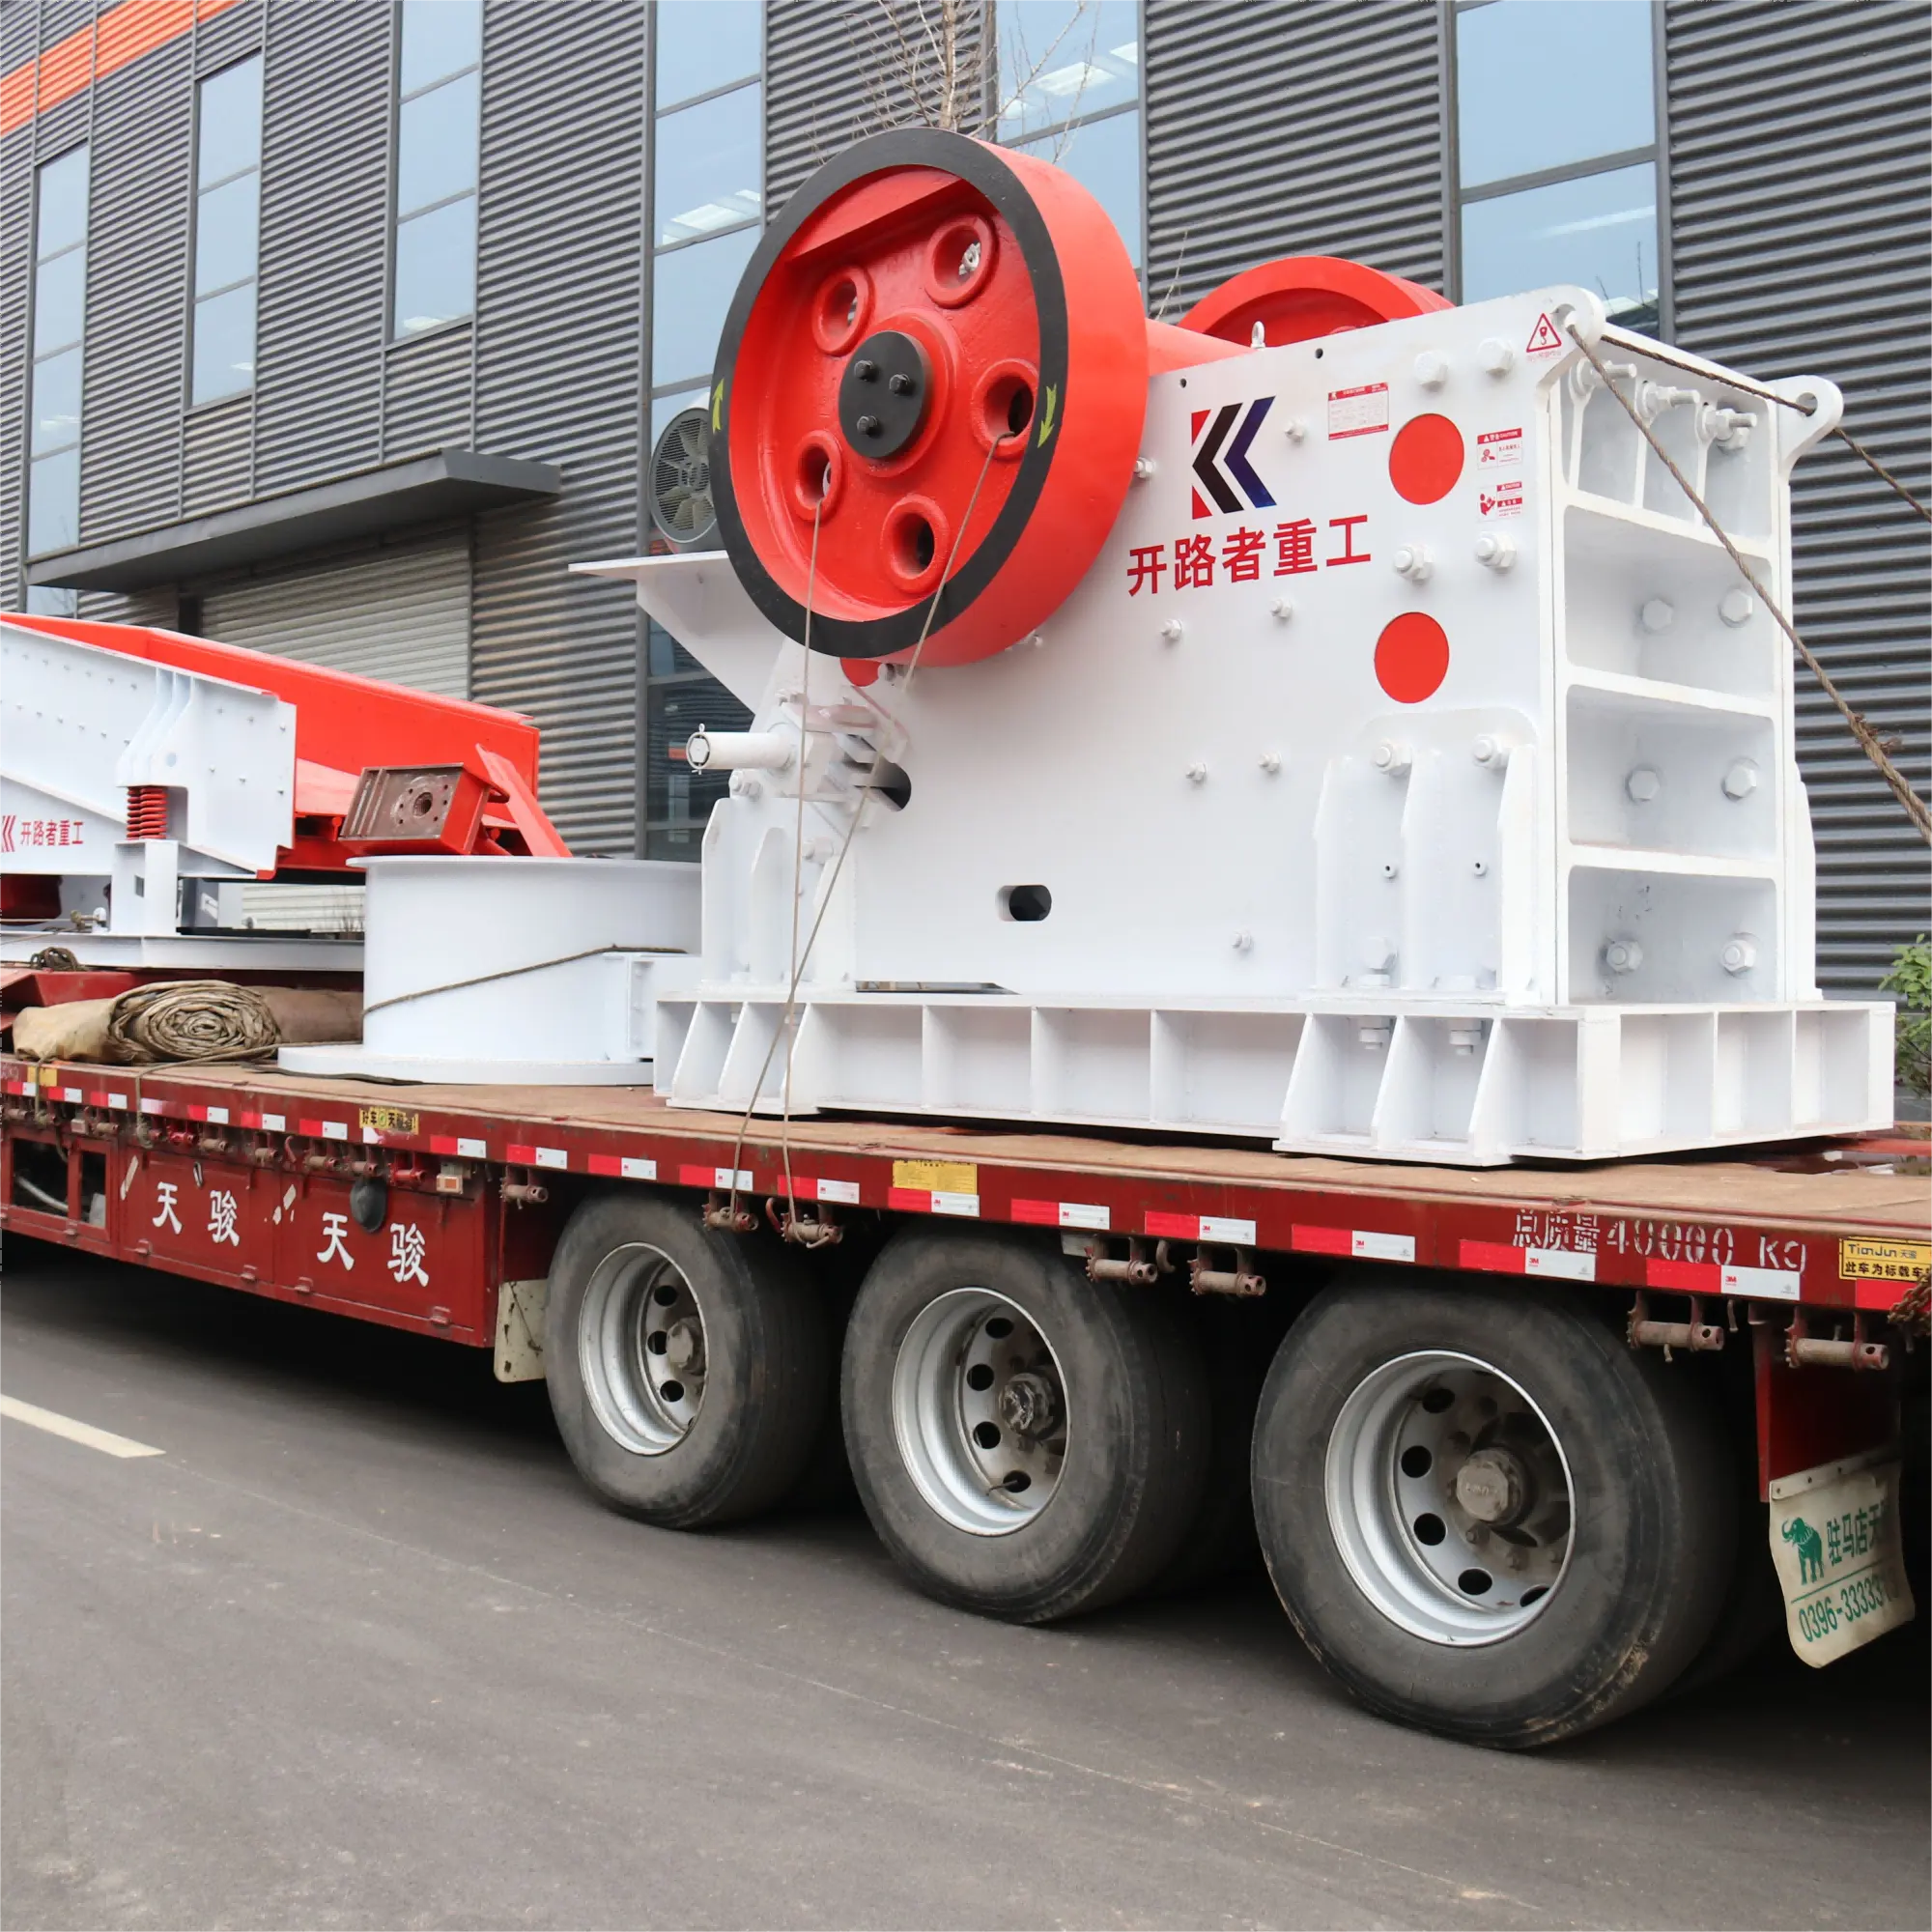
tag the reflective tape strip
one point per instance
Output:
(809, 1187)
(1062, 1215)
(917, 1201)
(275, 1124)
(1716, 1278)
(716, 1177)
(623, 1166)
(154, 1106)
(552, 1158)
(73, 1095)
(1201, 1228)
(1361, 1243)
(1500, 1258)
(119, 1101)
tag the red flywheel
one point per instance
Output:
(903, 338)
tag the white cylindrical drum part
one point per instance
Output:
(740, 750)
(515, 930)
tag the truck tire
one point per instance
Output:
(1485, 1513)
(1027, 1444)
(687, 1370)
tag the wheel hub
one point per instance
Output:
(640, 1346)
(1493, 1486)
(883, 394)
(980, 1408)
(1449, 1498)
(1028, 1404)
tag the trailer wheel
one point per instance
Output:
(1485, 1513)
(688, 1370)
(1026, 1445)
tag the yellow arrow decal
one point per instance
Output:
(1046, 419)
(718, 409)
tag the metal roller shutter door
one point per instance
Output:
(401, 613)
(1800, 200)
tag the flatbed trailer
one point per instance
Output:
(1785, 1288)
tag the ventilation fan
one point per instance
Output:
(681, 483)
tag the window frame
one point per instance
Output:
(75, 346)
(197, 298)
(1039, 139)
(1657, 152)
(393, 334)
(687, 390)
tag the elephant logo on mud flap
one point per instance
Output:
(1811, 1550)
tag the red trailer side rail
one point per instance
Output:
(245, 1178)
(494, 1217)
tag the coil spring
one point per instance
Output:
(147, 811)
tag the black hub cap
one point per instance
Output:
(882, 394)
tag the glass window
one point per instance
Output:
(224, 344)
(60, 292)
(709, 164)
(440, 37)
(675, 796)
(436, 119)
(60, 300)
(436, 144)
(1104, 157)
(707, 43)
(1598, 230)
(53, 503)
(1543, 83)
(1060, 60)
(227, 231)
(436, 266)
(225, 235)
(56, 402)
(229, 136)
(692, 291)
(62, 219)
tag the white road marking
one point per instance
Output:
(103, 1439)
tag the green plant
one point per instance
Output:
(1911, 979)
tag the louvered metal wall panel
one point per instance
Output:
(1800, 190)
(1307, 130)
(400, 612)
(560, 378)
(217, 455)
(159, 608)
(140, 175)
(230, 33)
(427, 403)
(17, 215)
(831, 77)
(325, 239)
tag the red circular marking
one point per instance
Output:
(1411, 657)
(1426, 459)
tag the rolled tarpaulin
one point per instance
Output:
(187, 1020)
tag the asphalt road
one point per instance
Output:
(356, 1650)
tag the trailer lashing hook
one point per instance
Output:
(1805, 1350)
(722, 1215)
(1136, 1266)
(1240, 1281)
(1698, 1334)
(816, 1230)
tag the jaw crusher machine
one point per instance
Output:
(1325, 721)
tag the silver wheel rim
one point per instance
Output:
(979, 1409)
(641, 1343)
(1449, 1498)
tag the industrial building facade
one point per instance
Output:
(343, 328)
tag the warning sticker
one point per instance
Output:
(1882, 1260)
(1363, 411)
(1499, 450)
(1501, 498)
(1543, 338)
(937, 1176)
